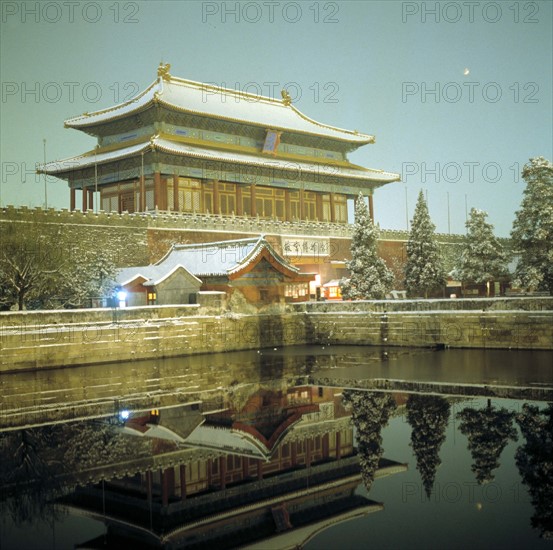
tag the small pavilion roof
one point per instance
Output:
(209, 100)
(223, 258)
(152, 274)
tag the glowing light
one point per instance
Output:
(122, 298)
(124, 415)
(466, 72)
(314, 284)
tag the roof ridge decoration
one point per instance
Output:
(286, 99)
(206, 86)
(163, 71)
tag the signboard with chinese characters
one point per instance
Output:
(305, 247)
(272, 140)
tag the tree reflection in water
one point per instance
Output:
(40, 464)
(428, 416)
(44, 465)
(534, 460)
(488, 431)
(370, 413)
(29, 474)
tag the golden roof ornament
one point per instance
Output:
(286, 99)
(163, 70)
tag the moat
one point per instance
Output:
(273, 448)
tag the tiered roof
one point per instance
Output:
(209, 105)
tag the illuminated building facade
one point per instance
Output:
(185, 146)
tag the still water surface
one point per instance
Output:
(252, 449)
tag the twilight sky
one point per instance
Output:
(392, 69)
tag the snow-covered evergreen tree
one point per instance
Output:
(424, 270)
(370, 277)
(483, 258)
(532, 234)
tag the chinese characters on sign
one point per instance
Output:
(300, 247)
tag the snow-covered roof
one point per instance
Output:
(91, 158)
(332, 283)
(323, 168)
(222, 258)
(153, 274)
(188, 96)
(215, 437)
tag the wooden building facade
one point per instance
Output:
(185, 146)
(251, 266)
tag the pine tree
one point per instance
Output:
(424, 270)
(532, 234)
(370, 278)
(483, 258)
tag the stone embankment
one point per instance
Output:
(501, 323)
(30, 340)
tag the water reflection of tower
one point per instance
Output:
(240, 473)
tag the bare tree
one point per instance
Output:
(29, 262)
(41, 267)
